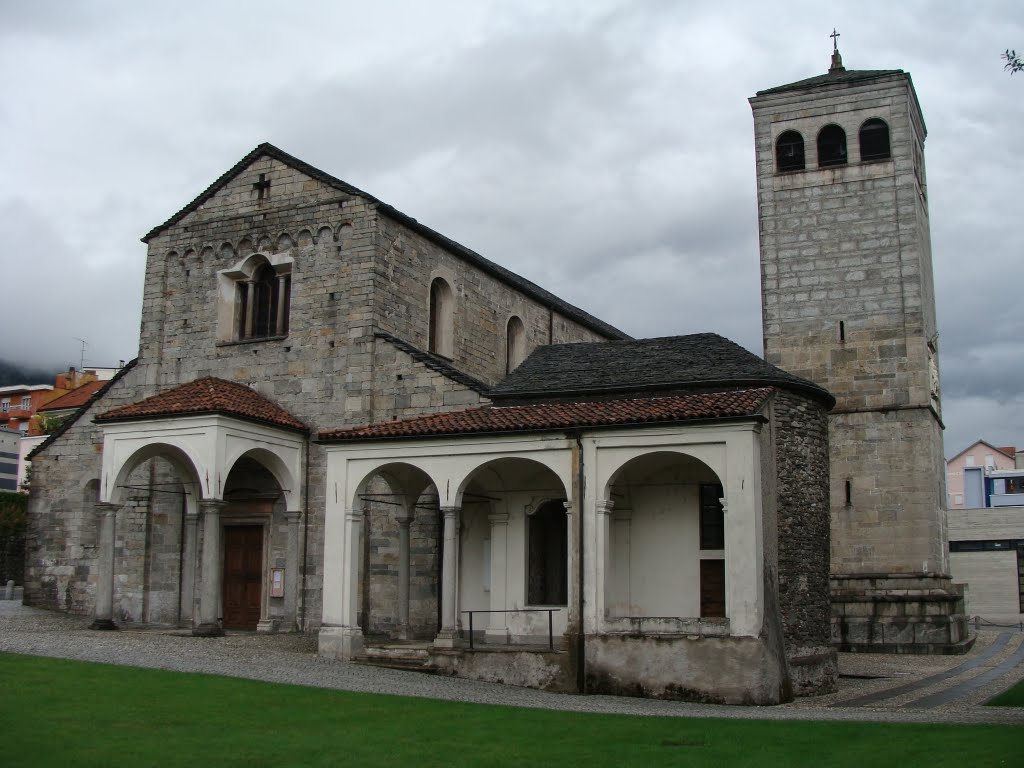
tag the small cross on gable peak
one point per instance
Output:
(262, 187)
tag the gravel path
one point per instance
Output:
(292, 659)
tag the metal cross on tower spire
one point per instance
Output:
(837, 60)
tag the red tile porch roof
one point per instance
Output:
(557, 416)
(207, 395)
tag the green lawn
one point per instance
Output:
(1013, 697)
(64, 713)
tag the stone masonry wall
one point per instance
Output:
(800, 428)
(483, 304)
(890, 525)
(848, 302)
(347, 282)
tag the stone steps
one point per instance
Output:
(406, 657)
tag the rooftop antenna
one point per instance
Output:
(81, 359)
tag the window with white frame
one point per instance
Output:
(5, 405)
(26, 402)
(254, 299)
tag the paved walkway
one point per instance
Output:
(932, 689)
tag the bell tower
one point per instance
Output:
(848, 302)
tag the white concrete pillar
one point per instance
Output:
(449, 634)
(343, 640)
(104, 617)
(404, 522)
(617, 566)
(211, 583)
(604, 515)
(291, 572)
(497, 626)
(188, 568)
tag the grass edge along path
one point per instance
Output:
(1011, 697)
(61, 712)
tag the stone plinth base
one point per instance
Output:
(899, 613)
(343, 643)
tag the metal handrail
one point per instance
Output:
(549, 611)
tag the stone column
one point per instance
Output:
(291, 572)
(404, 521)
(497, 627)
(250, 299)
(449, 634)
(188, 568)
(604, 515)
(104, 618)
(282, 303)
(213, 572)
(571, 583)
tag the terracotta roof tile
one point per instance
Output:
(207, 395)
(75, 398)
(555, 416)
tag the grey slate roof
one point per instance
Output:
(434, 363)
(495, 270)
(832, 78)
(697, 361)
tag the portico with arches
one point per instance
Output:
(235, 462)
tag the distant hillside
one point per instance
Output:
(12, 374)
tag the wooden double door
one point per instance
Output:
(243, 576)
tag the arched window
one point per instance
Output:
(789, 152)
(831, 146)
(515, 343)
(548, 571)
(874, 140)
(441, 310)
(264, 303)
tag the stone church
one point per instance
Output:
(342, 422)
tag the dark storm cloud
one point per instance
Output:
(602, 149)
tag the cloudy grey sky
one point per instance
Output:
(604, 149)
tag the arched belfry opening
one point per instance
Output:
(831, 146)
(874, 140)
(789, 152)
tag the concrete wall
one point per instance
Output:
(993, 585)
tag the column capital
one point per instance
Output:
(355, 514)
(498, 518)
(569, 506)
(450, 512)
(725, 505)
(605, 507)
(106, 507)
(292, 516)
(212, 505)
